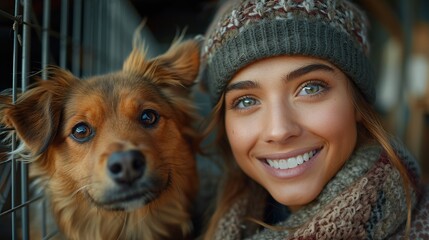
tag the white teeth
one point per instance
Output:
(306, 156)
(300, 159)
(276, 164)
(291, 162)
(282, 164)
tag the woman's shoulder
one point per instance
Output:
(420, 218)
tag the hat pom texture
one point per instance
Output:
(249, 30)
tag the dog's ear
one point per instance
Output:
(36, 114)
(179, 66)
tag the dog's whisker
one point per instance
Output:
(79, 190)
(85, 178)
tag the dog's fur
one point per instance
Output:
(71, 129)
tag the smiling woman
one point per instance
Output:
(307, 113)
(305, 156)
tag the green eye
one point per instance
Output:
(245, 102)
(312, 88)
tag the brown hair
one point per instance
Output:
(373, 126)
(239, 184)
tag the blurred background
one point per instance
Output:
(94, 36)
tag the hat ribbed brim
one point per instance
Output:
(289, 37)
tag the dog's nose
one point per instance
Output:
(125, 167)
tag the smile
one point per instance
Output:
(291, 162)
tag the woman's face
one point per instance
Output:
(291, 125)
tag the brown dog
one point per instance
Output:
(115, 152)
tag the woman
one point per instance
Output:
(305, 155)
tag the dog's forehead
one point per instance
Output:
(117, 81)
(117, 85)
(114, 91)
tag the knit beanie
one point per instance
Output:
(244, 31)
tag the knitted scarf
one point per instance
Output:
(365, 200)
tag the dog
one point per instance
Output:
(115, 153)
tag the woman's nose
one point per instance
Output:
(282, 124)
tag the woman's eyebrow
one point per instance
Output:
(246, 84)
(307, 69)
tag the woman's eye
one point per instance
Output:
(82, 132)
(245, 102)
(149, 118)
(312, 88)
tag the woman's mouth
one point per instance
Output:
(291, 162)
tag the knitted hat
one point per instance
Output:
(248, 30)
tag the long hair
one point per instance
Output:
(370, 128)
(233, 177)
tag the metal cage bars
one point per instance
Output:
(94, 37)
(14, 173)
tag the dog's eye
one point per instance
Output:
(149, 118)
(81, 132)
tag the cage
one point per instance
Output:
(86, 37)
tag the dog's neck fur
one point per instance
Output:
(80, 220)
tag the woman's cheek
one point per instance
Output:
(241, 130)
